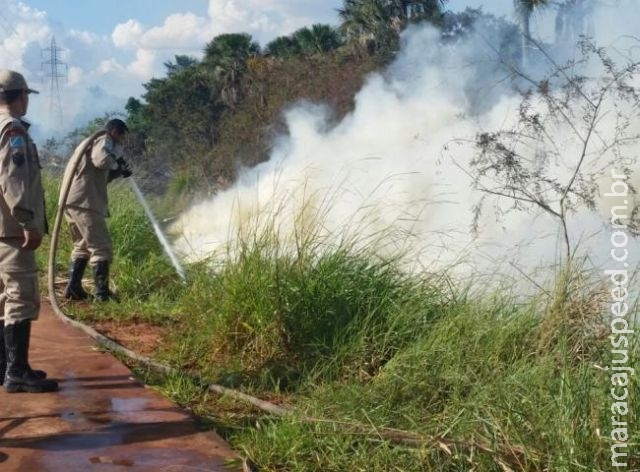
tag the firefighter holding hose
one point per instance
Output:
(95, 162)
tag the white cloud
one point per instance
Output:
(21, 27)
(266, 19)
(127, 35)
(144, 65)
(74, 76)
(179, 31)
(226, 14)
(108, 65)
(84, 36)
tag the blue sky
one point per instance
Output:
(110, 49)
(100, 17)
(79, 14)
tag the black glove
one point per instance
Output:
(123, 167)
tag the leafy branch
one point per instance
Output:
(569, 129)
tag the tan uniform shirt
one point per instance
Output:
(21, 193)
(89, 187)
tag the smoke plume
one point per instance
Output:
(394, 172)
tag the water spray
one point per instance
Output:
(156, 227)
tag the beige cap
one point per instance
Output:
(12, 80)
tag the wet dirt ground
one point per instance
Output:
(101, 419)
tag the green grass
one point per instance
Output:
(361, 349)
(475, 381)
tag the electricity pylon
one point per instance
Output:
(56, 70)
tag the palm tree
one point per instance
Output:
(226, 55)
(282, 47)
(574, 18)
(382, 20)
(182, 62)
(418, 10)
(524, 10)
(361, 19)
(317, 39)
(230, 49)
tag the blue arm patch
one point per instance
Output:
(17, 146)
(16, 142)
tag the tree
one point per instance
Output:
(364, 21)
(381, 21)
(230, 49)
(318, 39)
(182, 62)
(524, 9)
(135, 114)
(282, 47)
(182, 111)
(226, 57)
(461, 25)
(571, 130)
(573, 19)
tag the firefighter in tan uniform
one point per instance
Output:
(99, 161)
(22, 225)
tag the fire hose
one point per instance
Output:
(95, 335)
(402, 437)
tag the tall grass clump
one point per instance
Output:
(491, 385)
(279, 315)
(286, 298)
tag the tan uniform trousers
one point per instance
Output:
(90, 235)
(20, 292)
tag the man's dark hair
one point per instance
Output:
(118, 125)
(10, 96)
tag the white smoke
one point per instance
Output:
(388, 169)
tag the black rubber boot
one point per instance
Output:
(3, 357)
(41, 374)
(19, 376)
(74, 290)
(101, 279)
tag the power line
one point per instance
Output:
(54, 73)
